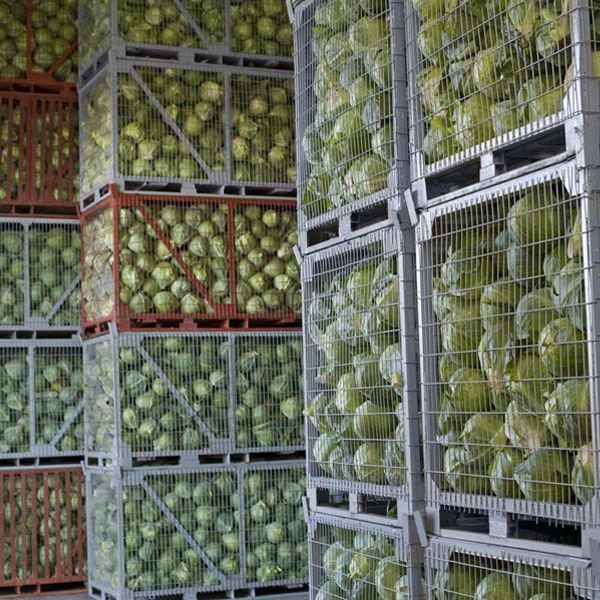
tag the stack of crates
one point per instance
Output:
(481, 478)
(357, 245)
(191, 305)
(42, 512)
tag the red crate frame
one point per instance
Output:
(43, 77)
(69, 575)
(34, 102)
(225, 317)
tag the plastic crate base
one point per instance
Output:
(44, 589)
(151, 323)
(66, 210)
(38, 461)
(532, 152)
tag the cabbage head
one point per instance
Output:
(530, 581)
(534, 311)
(502, 473)
(496, 586)
(568, 414)
(545, 476)
(468, 473)
(498, 302)
(470, 390)
(562, 348)
(368, 462)
(457, 582)
(530, 381)
(582, 476)
(525, 430)
(387, 573)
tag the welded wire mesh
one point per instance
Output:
(345, 105)
(54, 265)
(275, 529)
(12, 273)
(481, 70)
(353, 364)
(43, 526)
(170, 394)
(471, 573)
(507, 388)
(180, 531)
(269, 391)
(58, 393)
(14, 374)
(347, 561)
(262, 146)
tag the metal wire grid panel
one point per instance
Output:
(40, 42)
(42, 399)
(351, 113)
(483, 75)
(159, 395)
(148, 123)
(172, 531)
(354, 370)
(268, 391)
(39, 275)
(177, 28)
(274, 525)
(38, 148)
(475, 570)
(149, 258)
(509, 381)
(43, 527)
(349, 559)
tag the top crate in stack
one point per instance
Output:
(496, 86)
(351, 114)
(39, 41)
(235, 31)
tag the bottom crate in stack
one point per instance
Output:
(42, 528)
(355, 559)
(466, 569)
(177, 532)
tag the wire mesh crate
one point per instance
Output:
(159, 395)
(349, 559)
(177, 532)
(495, 86)
(468, 569)
(43, 528)
(186, 128)
(181, 262)
(361, 388)
(40, 43)
(351, 112)
(38, 149)
(40, 274)
(508, 351)
(259, 34)
(42, 399)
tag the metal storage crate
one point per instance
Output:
(158, 395)
(186, 128)
(213, 251)
(495, 87)
(468, 569)
(41, 42)
(38, 149)
(508, 306)
(363, 430)
(43, 531)
(40, 274)
(42, 399)
(181, 531)
(348, 557)
(228, 31)
(351, 114)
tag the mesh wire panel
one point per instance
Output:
(269, 391)
(275, 530)
(180, 531)
(347, 561)
(353, 364)
(43, 527)
(474, 574)
(505, 365)
(267, 273)
(345, 105)
(12, 274)
(58, 389)
(14, 374)
(54, 265)
(483, 69)
(173, 394)
(263, 130)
